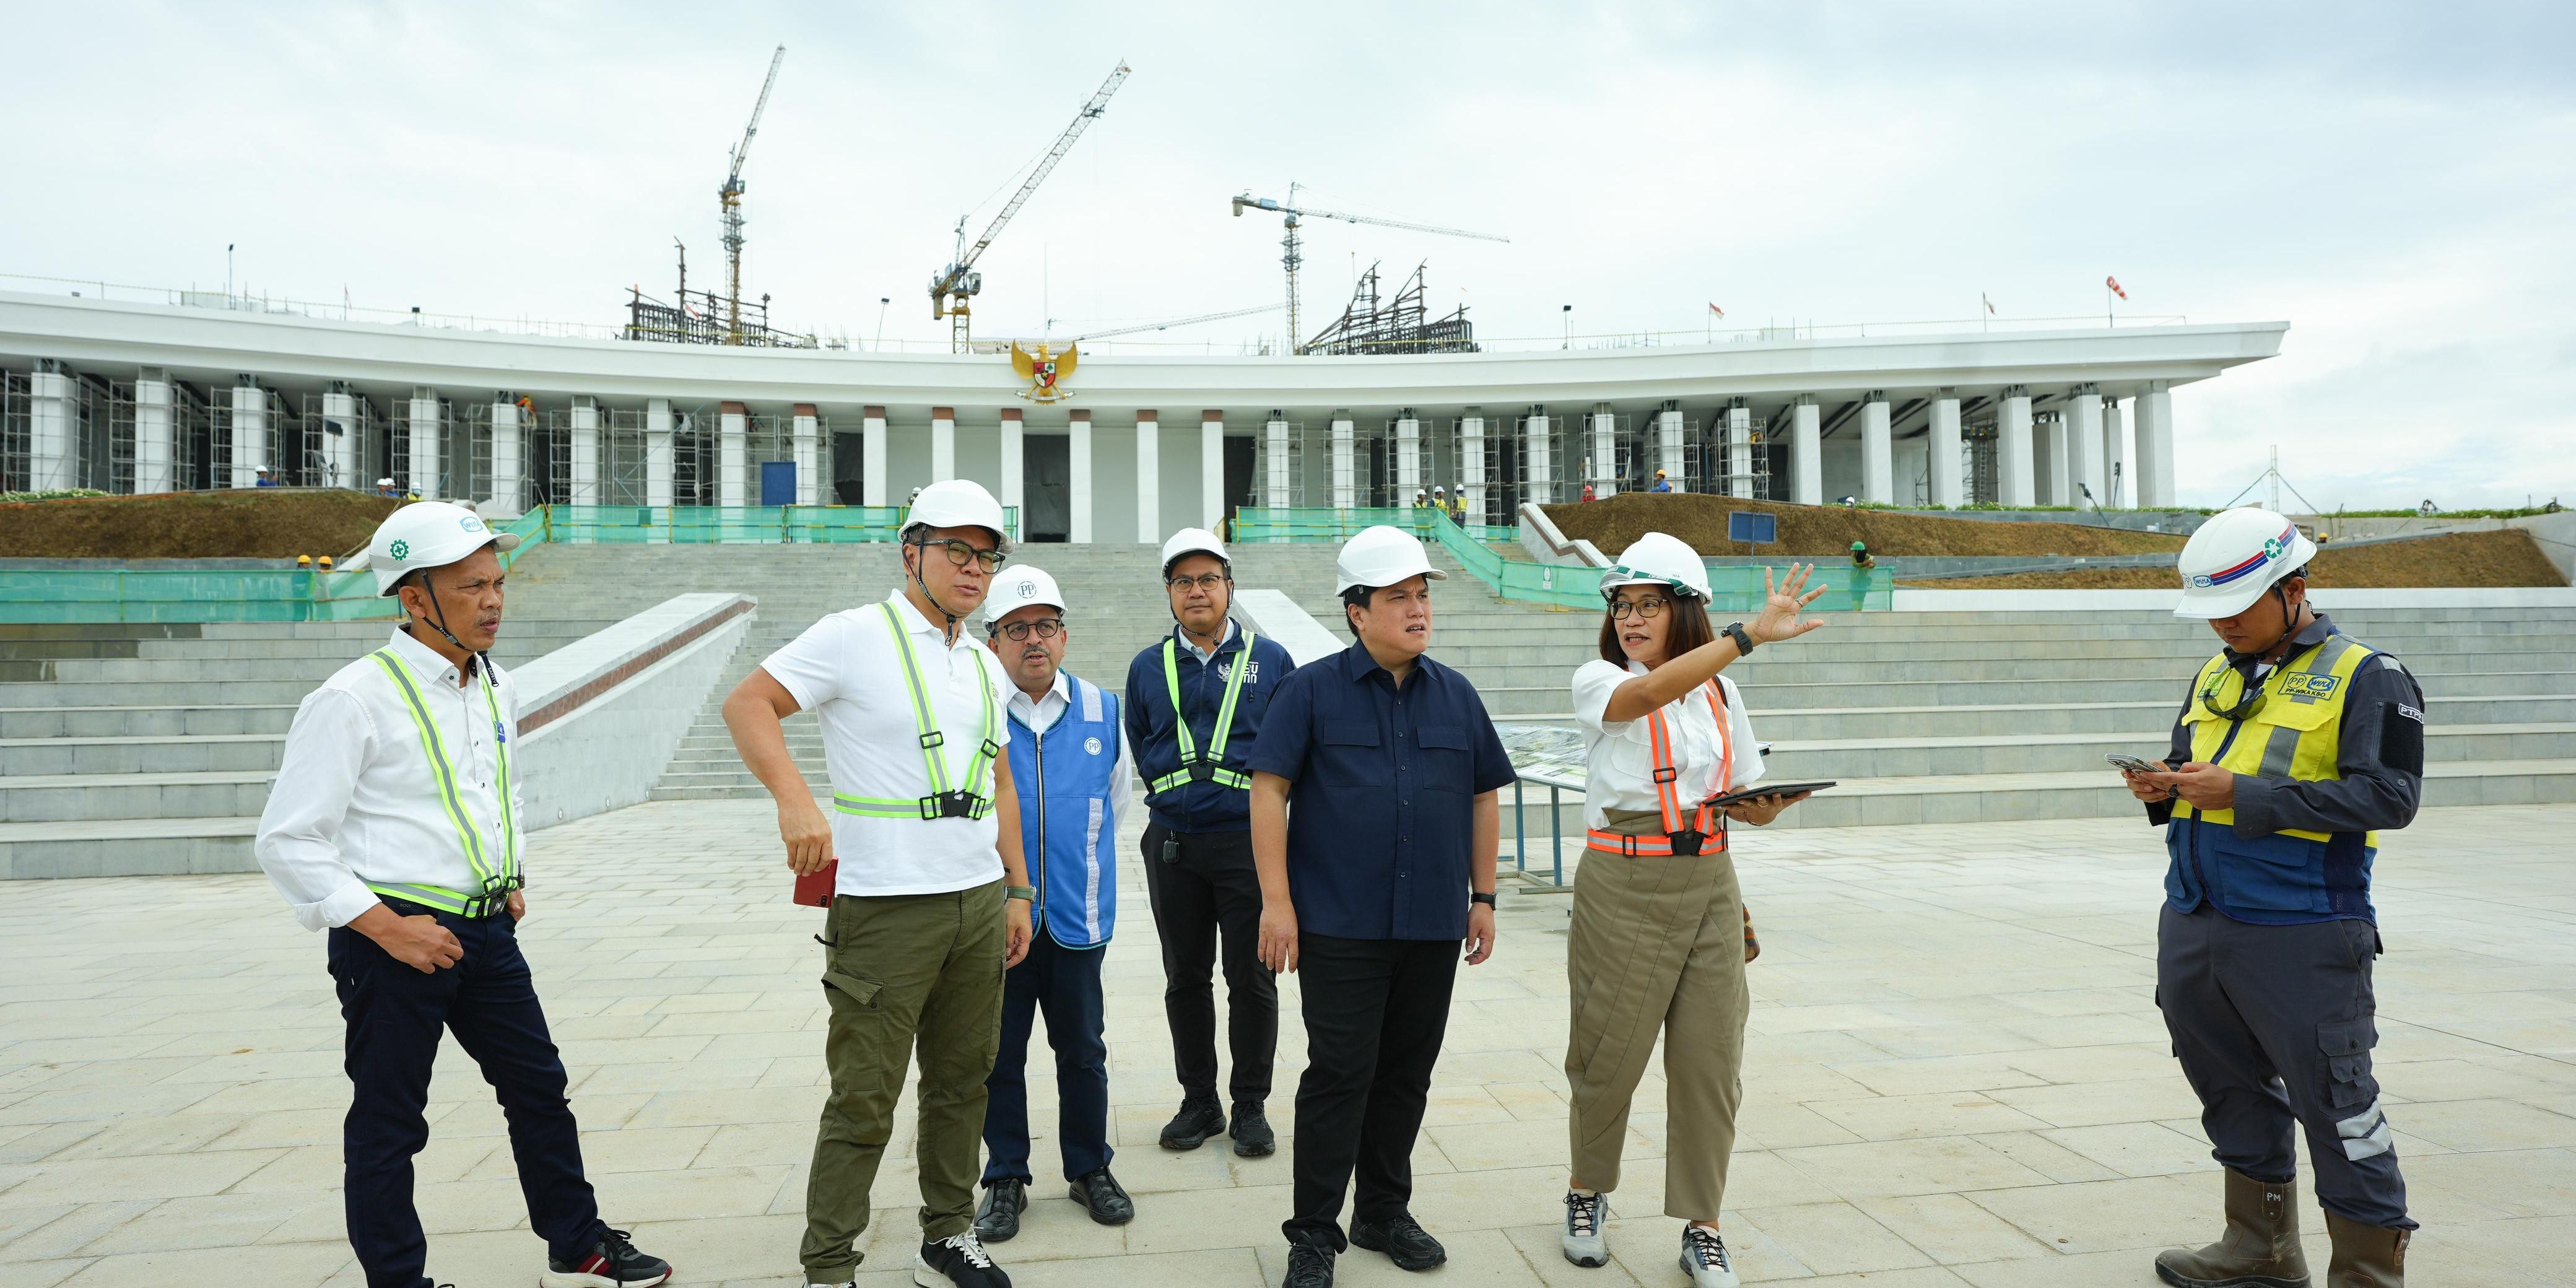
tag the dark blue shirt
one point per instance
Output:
(1382, 810)
(1208, 806)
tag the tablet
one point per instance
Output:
(1767, 789)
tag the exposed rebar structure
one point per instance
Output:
(704, 317)
(1399, 325)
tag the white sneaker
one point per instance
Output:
(1704, 1259)
(1584, 1243)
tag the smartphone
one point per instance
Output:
(814, 889)
(2132, 764)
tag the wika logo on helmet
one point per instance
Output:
(401, 549)
(2272, 548)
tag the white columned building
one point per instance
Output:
(583, 487)
(659, 484)
(2086, 475)
(1212, 470)
(2155, 446)
(1806, 453)
(2048, 442)
(1877, 452)
(1408, 456)
(872, 457)
(1343, 482)
(805, 438)
(506, 459)
(1739, 449)
(1671, 452)
(1941, 463)
(156, 438)
(733, 465)
(2115, 459)
(1604, 456)
(250, 431)
(1471, 466)
(943, 444)
(1015, 490)
(1536, 463)
(339, 438)
(1275, 487)
(53, 430)
(1078, 477)
(1149, 474)
(2015, 471)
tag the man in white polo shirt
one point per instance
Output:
(932, 904)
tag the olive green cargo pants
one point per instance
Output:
(900, 972)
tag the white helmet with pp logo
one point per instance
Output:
(428, 534)
(2234, 558)
(1659, 559)
(1017, 587)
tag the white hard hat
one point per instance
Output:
(384, 482)
(428, 534)
(1193, 541)
(1017, 587)
(1382, 556)
(958, 503)
(2234, 558)
(1658, 559)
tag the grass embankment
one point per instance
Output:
(2503, 558)
(1827, 531)
(271, 523)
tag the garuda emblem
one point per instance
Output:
(1045, 372)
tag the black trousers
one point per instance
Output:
(1065, 984)
(2274, 1026)
(1376, 1010)
(394, 1016)
(1208, 887)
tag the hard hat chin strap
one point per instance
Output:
(921, 557)
(441, 624)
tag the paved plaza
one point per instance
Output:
(1956, 1076)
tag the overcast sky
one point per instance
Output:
(2396, 181)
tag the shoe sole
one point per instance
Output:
(1590, 1261)
(1401, 1263)
(1074, 1192)
(2181, 1280)
(1243, 1150)
(574, 1279)
(924, 1275)
(1693, 1271)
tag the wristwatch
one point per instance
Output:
(1743, 641)
(1026, 893)
(1479, 896)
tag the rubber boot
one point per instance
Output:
(2365, 1256)
(2259, 1250)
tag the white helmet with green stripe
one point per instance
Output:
(1658, 559)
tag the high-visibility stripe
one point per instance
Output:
(1187, 745)
(922, 718)
(469, 838)
(441, 770)
(926, 721)
(1667, 775)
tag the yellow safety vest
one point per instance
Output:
(496, 875)
(2297, 733)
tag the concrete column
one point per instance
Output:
(584, 489)
(1344, 480)
(1471, 463)
(2048, 457)
(805, 438)
(2115, 459)
(1538, 463)
(1943, 450)
(733, 430)
(1015, 491)
(1149, 475)
(250, 431)
(509, 464)
(1077, 450)
(1605, 452)
(658, 459)
(53, 452)
(428, 428)
(1739, 449)
(2014, 470)
(943, 444)
(1275, 483)
(2085, 471)
(872, 457)
(2155, 446)
(1806, 453)
(339, 438)
(1212, 496)
(1671, 453)
(1408, 456)
(156, 438)
(1877, 452)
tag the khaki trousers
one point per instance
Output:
(900, 972)
(1657, 944)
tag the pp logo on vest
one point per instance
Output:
(1091, 746)
(2308, 684)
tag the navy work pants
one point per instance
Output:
(1208, 886)
(394, 1016)
(1376, 1010)
(2274, 1026)
(1065, 984)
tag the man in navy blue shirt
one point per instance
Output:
(1374, 822)
(1194, 711)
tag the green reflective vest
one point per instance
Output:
(495, 879)
(975, 798)
(1195, 768)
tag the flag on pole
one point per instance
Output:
(2114, 284)
(1716, 310)
(1990, 304)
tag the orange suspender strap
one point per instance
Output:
(1668, 790)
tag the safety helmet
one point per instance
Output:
(1439, 491)
(384, 482)
(1194, 541)
(1659, 474)
(1658, 559)
(1382, 556)
(428, 534)
(2234, 558)
(958, 503)
(1017, 587)
(1860, 545)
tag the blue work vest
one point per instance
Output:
(1064, 775)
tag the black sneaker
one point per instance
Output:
(1190, 1128)
(1309, 1266)
(999, 1218)
(1251, 1131)
(611, 1263)
(958, 1261)
(1402, 1239)
(1102, 1197)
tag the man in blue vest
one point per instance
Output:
(1194, 707)
(1069, 762)
(2296, 744)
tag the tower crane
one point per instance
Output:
(953, 288)
(731, 197)
(1291, 245)
(1173, 322)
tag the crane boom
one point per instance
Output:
(1292, 254)
(730, 198)
(959, 280)
(733, 179)
(1188, 321)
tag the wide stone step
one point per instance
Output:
(1888, 757)
(1769, 696)
(54, 798)
(133, 721)
(158, 693)
(1761, 669)
(128, 847)
(144, 754)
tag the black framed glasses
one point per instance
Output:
(1207, 581)
(961, 554)
(1045, 628)
(2249, 698)
(1646, 606)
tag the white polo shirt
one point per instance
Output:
(846, 670)
(1619, 769)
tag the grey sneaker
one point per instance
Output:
(1704, 1259)
(1585, 1245)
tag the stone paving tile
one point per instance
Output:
(1955, 1076)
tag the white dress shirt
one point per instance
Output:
(1040, 715)
(845, 670)
(1619, 767)
(357, 800)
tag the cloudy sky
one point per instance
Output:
(2397, 181)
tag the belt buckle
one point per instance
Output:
(956, 804)
(1686, 842)
(1201, 771)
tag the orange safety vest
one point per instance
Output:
(1668, 794)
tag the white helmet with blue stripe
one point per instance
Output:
(2235, 557)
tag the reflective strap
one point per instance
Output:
(1650, 845)
(1233, 690)
(1666, 774)
(1222, 777)
(501, 750)
(982, 762)
(1184, 743)
(915, 807)
(445, 773)
(922, 718)
(426, 896)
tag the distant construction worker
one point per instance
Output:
(1440, 499)
(385, 488)
(931, 905)
(1421, 499)
(2296, 744)
(1663, 482)
(1458, 505)
(395, 825)
(1069, 760)
(1861, 557)
(1587, 491)
(1194, 708)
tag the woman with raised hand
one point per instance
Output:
(1659, 935)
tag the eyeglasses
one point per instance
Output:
(962, 554)
(1649, 606)
(1047, 628)
(2250, 696)
(1207, 581)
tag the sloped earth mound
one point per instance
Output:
(262, 523)
(1827, 531)
(2503, 558)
